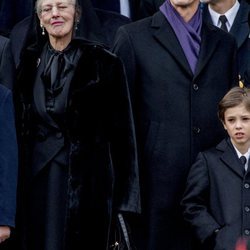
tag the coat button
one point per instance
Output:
(59, 135)
(195, 87)
(196, 130)
(246, 232)
(246, 185)
(247, 209)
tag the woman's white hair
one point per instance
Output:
(38, 5)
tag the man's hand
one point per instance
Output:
(4, 233)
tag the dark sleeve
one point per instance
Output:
(7, 70)
(8, 159)
(123, 143)
(196, 198)
(123, 48)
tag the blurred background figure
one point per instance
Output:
(13, 11)
(7, 67)
(149, 7)
(8, 146)
(129, 8)
(235, 15)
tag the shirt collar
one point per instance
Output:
(240, 154)
(230, 15)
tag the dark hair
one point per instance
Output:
(233, 98)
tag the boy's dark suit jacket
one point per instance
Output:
(240, 30)
(175, 114)
(218, 196)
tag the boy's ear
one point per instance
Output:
(224, 125)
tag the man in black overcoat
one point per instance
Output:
(175, 105)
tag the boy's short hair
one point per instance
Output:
(233, 98)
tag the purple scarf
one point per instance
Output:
(188, 34)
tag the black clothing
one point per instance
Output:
(79, 130)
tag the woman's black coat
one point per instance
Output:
(103, 175)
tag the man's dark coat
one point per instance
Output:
(217, 197)
(175, 116)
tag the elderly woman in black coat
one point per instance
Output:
(78, 170)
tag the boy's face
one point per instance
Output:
(237, 124)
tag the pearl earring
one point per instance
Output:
(43, 30)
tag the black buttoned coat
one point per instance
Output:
(175, 116)
(217, 196)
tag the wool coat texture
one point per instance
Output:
(175, 117)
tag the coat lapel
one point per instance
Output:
(210, 40)
(240, 28)
(165, 35)
(230, 158)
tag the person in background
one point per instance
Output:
(96, 25)
(129, 8)
(7, 67)
(232, 16)
(12, 12)
(78, 166)
(8, 147)
(149, 7)
(171, 61)
(216, 200)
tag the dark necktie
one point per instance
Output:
(243, 160)
(223, 20)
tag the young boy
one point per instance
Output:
(216, 202)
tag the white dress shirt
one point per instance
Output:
(230, 15)
(124, 8)
(247, 154)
